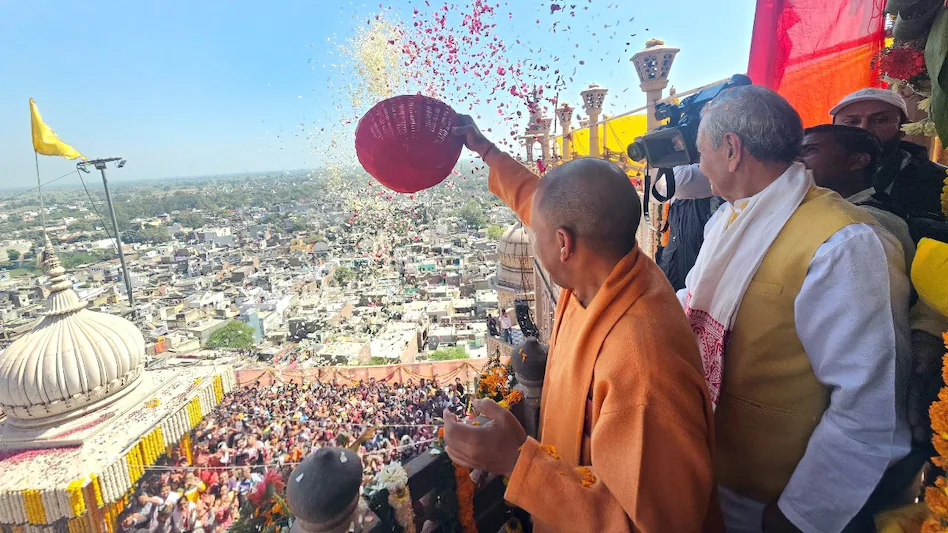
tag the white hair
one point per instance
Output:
(769, 126)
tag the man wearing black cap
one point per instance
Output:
(905, 172)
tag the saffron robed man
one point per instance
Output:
(800, 303)
(626, 417)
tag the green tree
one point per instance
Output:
(71, 260)
(473, 215)
(81, 225)
(149, 235)
(343, 275)
(190, 220)
(449, 354)
(236, 334)
(495, 232)
(13, 254)
(155, 234)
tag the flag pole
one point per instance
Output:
(39, 187)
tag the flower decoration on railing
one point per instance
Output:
(389, 497)
(936, 498)
(265, 509)
(915, 60)
(497, 382)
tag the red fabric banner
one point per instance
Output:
(815, 52)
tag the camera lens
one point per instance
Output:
(636, 151)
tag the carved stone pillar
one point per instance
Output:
(565, 115)
(593, 98)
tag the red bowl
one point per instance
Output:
(406, 143)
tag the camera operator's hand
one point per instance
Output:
(473, 138)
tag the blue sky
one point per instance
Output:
(184, 88)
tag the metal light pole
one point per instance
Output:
(100, 164)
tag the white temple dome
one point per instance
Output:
(73, 360)
(515, 266)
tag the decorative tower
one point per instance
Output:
(564, 114)
(653, 64)
(593, 98)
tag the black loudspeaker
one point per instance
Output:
(522, 308)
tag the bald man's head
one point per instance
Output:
(594, 200)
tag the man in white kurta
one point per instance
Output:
(850, 315)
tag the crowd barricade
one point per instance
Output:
(443, 372)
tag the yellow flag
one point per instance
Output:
(45, 140)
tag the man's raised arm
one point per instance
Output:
(512, 182)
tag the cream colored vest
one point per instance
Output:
(770, 399)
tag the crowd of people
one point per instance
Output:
(256, 428)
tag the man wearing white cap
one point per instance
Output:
(905, 173)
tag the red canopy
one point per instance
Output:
(815, 52)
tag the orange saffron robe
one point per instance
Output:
(626, 418)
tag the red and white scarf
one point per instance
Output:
(733, 249)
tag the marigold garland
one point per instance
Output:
(78, 525)
(400, 500)
(465, 493)
(97, 491)
(936, 498)
(77, 504)
(35, 511)
(186, 447)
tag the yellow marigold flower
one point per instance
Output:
(588, 479)
(550, 450)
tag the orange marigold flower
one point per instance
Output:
(514, 397)
(941, 445)
(939, 416)
(944, 369)
(932, 525)
(550, 450)
(588, 479)
(937, 501)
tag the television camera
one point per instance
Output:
(674, 144)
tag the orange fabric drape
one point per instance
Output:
(815, 52)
